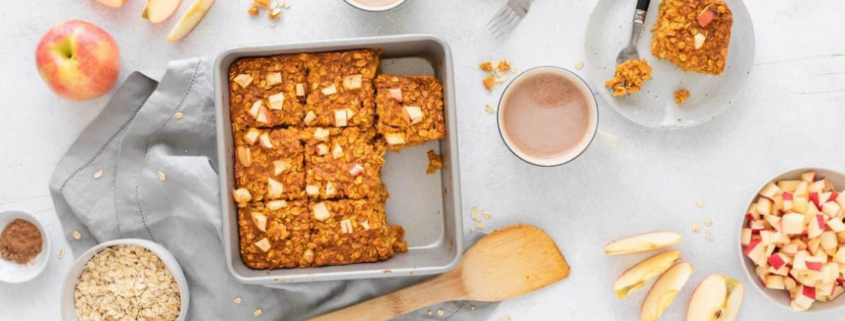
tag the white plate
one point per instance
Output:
(609, 31)
(11, 272)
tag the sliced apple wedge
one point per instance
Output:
(112, 3)
(189, 20)
(643, 243)
(159, 10)
(717, 297)
(663, 293)
(637, 276)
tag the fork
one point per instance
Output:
(630, 52)
(508, 17)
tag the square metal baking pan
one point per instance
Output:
(427, 206)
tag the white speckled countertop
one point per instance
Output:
(791, 114)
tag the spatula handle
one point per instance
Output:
(444, 288)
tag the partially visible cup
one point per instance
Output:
(375, 5)
(548, 117)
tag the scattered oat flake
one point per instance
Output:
(98, 174)
(708, 222)
(472, 307)
(506, 319)
(708, 236)
(700, 203)
(489, 109)
(161, 176)
(76, 235)
(474, 214)
(61, 253)
(696, 228)
(579, 65)
(480, 225)
(440, 312)
(238, 300)
(178, 115)
(428, 312)
(387, 271)
(472, 230)
(258, 312)
(486, 214)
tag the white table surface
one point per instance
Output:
(791, 114)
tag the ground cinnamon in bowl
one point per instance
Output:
(20, 242)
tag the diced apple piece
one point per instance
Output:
(312, 190)
(330, 90)
(762, 271)
(805, 298)
(775, 282)
(717, 297)
(260, 221)
(788, 185)
(840, 255)
(837, 291)
(263, 244)
(256, 108)
(831, 209)
(813, 245)
(415, 114)
(112, 3)
(276, 205)
(337, 151)
(340, 118)
(356, 170)
(803, 189)
(836, 225)
(800, 204)
(706, 17)
(274, 188)
(251, 136)
(277, 101)
(263, 115)
(816, 226)
(273, 78)
(242, 195)
(395, 138)
(637, 276)
(280, 166)
(755, 250)
(396, 94)
(322, 149)
(764, 206)
(779, 260)
(265, 141)
(242, 80)
(787, 202)
(245, 156)
(189, 20)
(828, 240)
(330, 189)
(772, 220)
(783, 271)
(321, 211)
(840, 199)
(746, 236)
(300, 90)
(321, 134)
(352, 82)
(793, 223)
(770, 191)
(818, 186)
(643, 243)
(664, 291)
(309, 118)
(808, 176)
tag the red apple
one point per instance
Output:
(78, 60)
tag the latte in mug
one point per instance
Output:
(547, 116)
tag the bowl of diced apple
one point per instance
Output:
(793, 240)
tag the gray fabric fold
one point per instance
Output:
(159, 182)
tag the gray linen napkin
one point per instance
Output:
(159, 182)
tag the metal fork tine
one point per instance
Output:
(506, 25)
(498, 17)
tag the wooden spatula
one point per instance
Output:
(505, 264)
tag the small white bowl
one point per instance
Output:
(68, 302)
(781, 297)
(11, 272)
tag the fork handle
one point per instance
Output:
(643, 4)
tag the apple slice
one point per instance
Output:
(717, 297)
(189, 20)
(244, 156)
(643, 243)
(241, 196)
(112, 3)
(637, 276)
(159, 10)
(664, 291)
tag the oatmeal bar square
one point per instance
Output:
(410, 110)
(275, 234)
(352, 231)
(343, 163)
(341, 89)
(268, 91)
(270, 164)
(693, 34)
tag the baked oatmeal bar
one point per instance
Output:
(275, 234)
(693, 34)
(410, 110)
(629, 77)
(270, 164)
(268, 91)
(343, 163)
(341, 89)
(352, 231)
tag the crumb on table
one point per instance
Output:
(434, 162)
(629, 77)
(681, 96)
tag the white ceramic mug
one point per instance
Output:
(376, 5)
(593, 133)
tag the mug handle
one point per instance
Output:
(607, 139)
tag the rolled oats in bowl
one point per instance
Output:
(126, 282)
